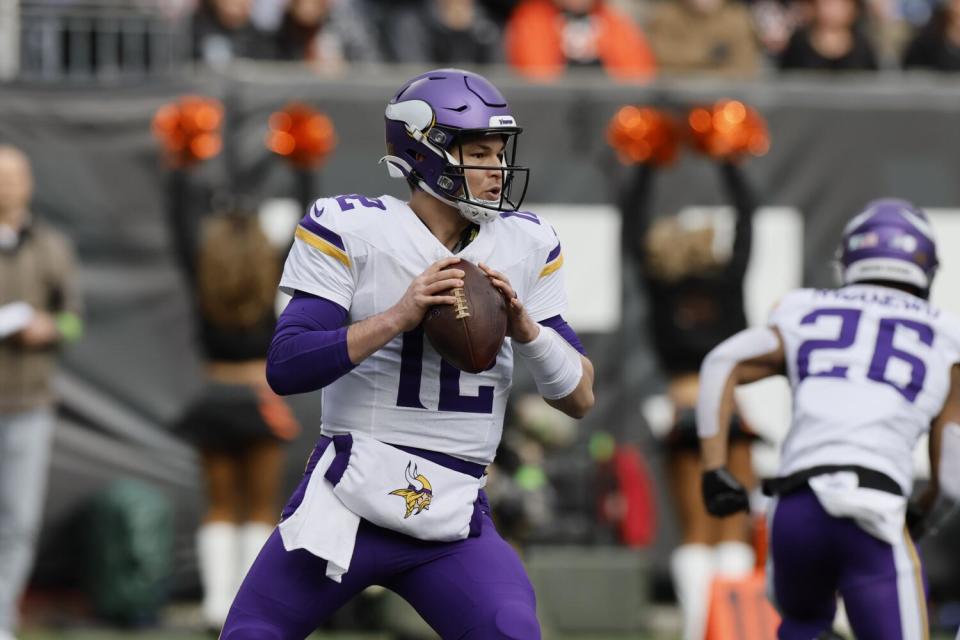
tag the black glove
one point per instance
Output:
(722, 494)
(916, 519)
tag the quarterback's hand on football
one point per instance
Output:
(428, 289)
(520, 326)
(723, 495)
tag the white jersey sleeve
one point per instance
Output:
(322, 260)
(548, 294)
(786, 315)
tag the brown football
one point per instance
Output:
(469, 334)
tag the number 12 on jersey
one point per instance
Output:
(411, 372)
(883, 351)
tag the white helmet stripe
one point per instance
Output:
(919, 224)
(916, 221)
(857, 221)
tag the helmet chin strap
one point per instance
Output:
(471, 209)
(471, 212)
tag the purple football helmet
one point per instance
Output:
(890, 240)
(429, 118)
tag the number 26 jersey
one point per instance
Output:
(870, 369)
(362, 253)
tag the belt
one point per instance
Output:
(342, 444)
(868, 478)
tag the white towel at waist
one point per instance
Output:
(879, 513)
(407, 493)
(321, 524)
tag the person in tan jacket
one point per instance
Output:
(704, 37)
(39, 307)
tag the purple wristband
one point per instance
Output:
(558, 324)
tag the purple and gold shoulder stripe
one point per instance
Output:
(554, 261)
(323, 239)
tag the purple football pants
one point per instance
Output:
(814, 555)
(474, 589)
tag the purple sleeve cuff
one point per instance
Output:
(558, 324)
(309, 347)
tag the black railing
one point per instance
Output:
(99, 41)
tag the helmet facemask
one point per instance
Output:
(454, 184)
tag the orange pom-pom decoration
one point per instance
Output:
(189, 129)
(728, 129)
(643, 134)
(302, 135)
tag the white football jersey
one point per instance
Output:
(870, 369)
(362, 253)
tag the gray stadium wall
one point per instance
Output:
(99, 178)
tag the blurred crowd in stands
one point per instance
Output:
(628, 38)
(540, 39)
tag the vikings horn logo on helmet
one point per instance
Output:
(418, 494)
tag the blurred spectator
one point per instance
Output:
(223, 31)
(889, 27)
(522, 494)
(638, 10)
(448, 32)
(237, 421)
(500, 10)
(326, 33)
(834, 40)
(266, 15)
(937, 45)
(776, 20)
(545, 37)
(39, 307)
(704, 36)
(694, 284)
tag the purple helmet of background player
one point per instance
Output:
(892, 241)
(427, 121)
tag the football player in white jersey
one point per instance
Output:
(873, 365)
(392, 494)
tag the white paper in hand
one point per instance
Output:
(14, 317)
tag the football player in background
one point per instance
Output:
(873, 366)
(392, 494)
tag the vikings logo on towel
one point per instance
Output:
(418, 499)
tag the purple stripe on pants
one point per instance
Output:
(815, 555)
